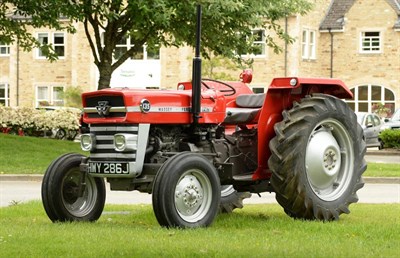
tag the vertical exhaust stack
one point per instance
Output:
(196, 73)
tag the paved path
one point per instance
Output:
(22, 191)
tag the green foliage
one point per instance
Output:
(227, 24)
(391, 138)
(16, 16)
(72, 97)
(370, 230)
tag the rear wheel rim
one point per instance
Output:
(329, 160)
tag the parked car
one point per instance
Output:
(371, 124)
(393, 122)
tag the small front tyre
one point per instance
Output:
(186, 192)
(70, 195)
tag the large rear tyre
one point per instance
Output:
(61, 187)
(231, 199)
(186, 192)
(317, 158)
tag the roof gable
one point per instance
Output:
(334, 19)
(395, 4)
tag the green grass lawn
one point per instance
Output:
(255, 231)
(30, 155)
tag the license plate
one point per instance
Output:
(108, 168)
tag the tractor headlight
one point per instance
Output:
(125, 142)
(88, 142)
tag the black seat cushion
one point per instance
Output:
(250, 100)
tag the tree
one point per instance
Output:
(227, 25)
(18, 15)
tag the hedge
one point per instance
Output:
(391, 138)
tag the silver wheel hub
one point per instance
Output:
(190, 194)
(329, 159)
(76, 205)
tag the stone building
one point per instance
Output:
(357, 41)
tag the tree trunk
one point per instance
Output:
(105, 72)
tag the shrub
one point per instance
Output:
(34, 122)
(391, 138)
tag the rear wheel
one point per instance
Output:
(231, 199)
(317, 158)
(186, 192)
(64, 196)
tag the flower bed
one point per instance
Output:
(63, 122)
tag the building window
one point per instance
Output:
(4, 49)
(56, 39)
(258, 89)
(308, 44)
(126, 43)
(373, 98)
(49, 96)
(371, 42)
(258, 37)
(4, 94)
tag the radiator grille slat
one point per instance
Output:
(104, 150)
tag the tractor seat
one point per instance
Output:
(249, 106)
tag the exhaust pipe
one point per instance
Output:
(196, 73)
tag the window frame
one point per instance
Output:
(370, 49)
(258, 42)
(6, 47)
(128, 45)
(370, 101)
(50, 92)
(6, 97)
(308, 44)
(51, 41)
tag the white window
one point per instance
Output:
(308, 44)
(126, 43)
(4, 49)
(368, 97)
(371, 42)
(49, 96)
(259, 42)
(4, 94)
(56, 39)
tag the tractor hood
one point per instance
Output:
(124, 105)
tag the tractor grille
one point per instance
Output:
(104, 150)
(115, 102)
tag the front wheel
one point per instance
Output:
(317, 158)
(70, 195)
(186, 192)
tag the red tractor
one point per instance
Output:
(206, 146)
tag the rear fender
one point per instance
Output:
(281, 95)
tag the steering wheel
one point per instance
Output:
(230, 91)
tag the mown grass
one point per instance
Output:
(255, 231)
(382, 170)
(30, 155)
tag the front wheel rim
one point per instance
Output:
(78, 206)
(193, 195)
(329, 160)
